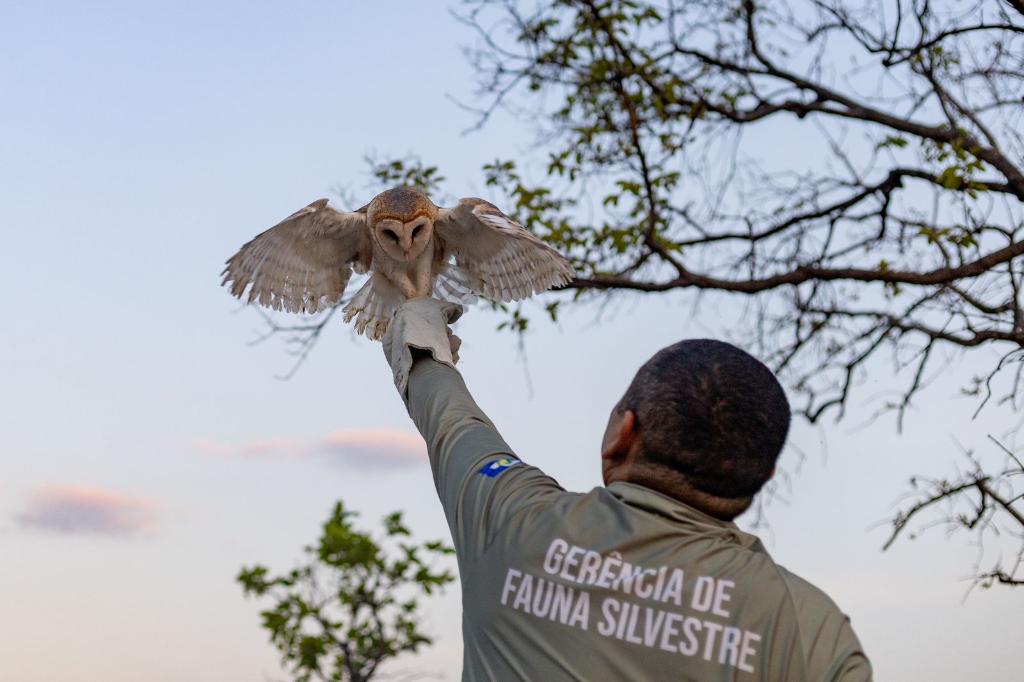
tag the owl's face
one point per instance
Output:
(404, 241)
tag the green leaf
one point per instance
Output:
(897, 141)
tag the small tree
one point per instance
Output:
(350, 607)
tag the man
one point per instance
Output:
(646, 578)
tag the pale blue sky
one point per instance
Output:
(141, 144)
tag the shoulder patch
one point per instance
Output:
(492, 469)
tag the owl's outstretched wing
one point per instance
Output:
(498, 256)
(303, 263)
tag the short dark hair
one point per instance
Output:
(711, 412)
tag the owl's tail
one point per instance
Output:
(373, 306)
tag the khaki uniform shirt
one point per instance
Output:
(621, 583)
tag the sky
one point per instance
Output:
(148, 451)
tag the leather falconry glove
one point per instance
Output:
(421, 324)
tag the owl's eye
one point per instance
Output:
(390, 234)
(416, 230)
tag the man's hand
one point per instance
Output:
(421, 325)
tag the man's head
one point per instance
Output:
(703, 422)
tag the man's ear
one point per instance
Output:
(619, 437)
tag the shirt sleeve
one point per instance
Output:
(481, 482)
(831, 649)
(834, 652)
(855, 668)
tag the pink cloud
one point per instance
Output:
(361, 448)
(81, 509)
(372, 449)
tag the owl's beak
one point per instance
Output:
(405, 240)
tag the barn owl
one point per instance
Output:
(410, 248)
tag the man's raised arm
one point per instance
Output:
(479, 479)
